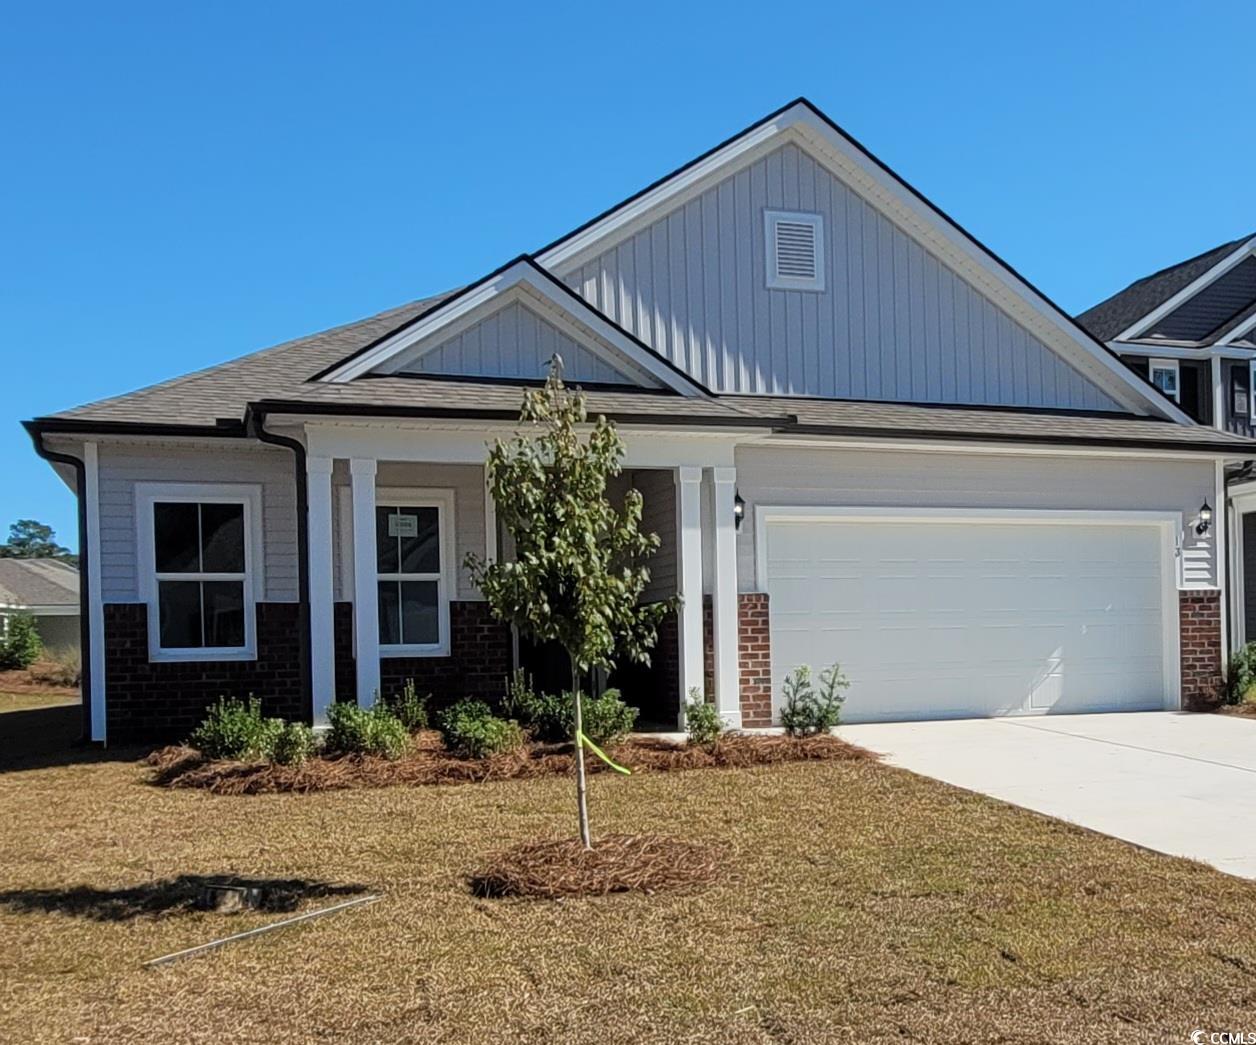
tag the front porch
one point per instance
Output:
(392, 515)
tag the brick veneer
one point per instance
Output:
(165, 700)
(1200, 621)
(478, 664)
(754, 647)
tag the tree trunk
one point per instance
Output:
(582, 798)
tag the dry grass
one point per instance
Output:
(25, 699)
(616, 864)
(858, 903)
(427, 762)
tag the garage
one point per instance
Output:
(949, 614)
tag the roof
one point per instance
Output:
(1113, 315)
(38, 582)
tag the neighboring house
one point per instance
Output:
(862, 436)
(47, 590)
(1190, 330)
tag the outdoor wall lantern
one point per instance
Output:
(1205, 519)
(739, 510)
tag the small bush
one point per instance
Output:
(606, 718)
(521, 702)
(21, 644)
(294, 744)
(702, 721)
(803, 710)
(235, 730)
(59, 667)
(409, 707)
(362, 731)
(469, 728)
(1240, 675)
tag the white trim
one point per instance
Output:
(1169, 366)
(365, 592)
(771, 221)
(490, 521)
(1179, 350)
(1216, 374)
(1169, 524)
(51, 610)
(724, 610)
(442, 499)
(801, 125)
(319, 548)
(95, 599)
(1137, 328)
(1220, 535)
(519, 274)
(1239, 505)
(688, 482)
(1251, 390)
(249, 495)
(1248, 326)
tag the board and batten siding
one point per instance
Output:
(658, 515)
(781, 476)
(123, 465)
(894, 322)
(465, 480)
(515, 342)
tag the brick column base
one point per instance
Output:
(754, 647)
(1200, 622)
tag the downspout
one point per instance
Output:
(87, 683)
(255, 423)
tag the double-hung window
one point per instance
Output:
(413, 566)
(199, 549)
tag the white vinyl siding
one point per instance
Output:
(123, 465)
(893, 323)
(837, 477)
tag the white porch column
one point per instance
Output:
(365, 589)
(322, 598)
(1218, 396)
(94, 670)
(689, 580)
(724, 596)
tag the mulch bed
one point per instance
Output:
(615, 864)
(28, 680)
(427, 763)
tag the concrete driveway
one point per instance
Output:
(1177, 783)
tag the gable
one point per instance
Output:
(515, 341)
(892, 321)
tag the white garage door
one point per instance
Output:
(972, 618)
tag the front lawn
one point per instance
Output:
(858, 903)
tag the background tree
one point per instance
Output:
(29, 539)
(21, 645)
(578, 572)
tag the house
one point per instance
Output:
(1190, 329)
(861, 435)
(46, 590)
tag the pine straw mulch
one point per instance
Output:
(615, 864)
(427, 763)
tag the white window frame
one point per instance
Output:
(1251, 387)
(1166, 364)
(775, 280)
(247, 494)
(446, 579)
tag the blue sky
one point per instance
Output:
(185, 183)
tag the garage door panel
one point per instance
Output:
(943, 619)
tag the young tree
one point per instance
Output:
(29, 539)
(578, 571)
(21, 645)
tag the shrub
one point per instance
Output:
(803, 710)
(409, 707)
(21, 643)
(294, 744)
(235, 730)
(702, 721)
(606, 718)
(1240, 675)
(58, 667)
(521, 702)
(362, 731)
(469, 728)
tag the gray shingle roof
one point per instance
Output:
(1112, 315)
(38, 582)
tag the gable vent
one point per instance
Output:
(795, 250)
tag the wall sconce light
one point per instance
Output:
(739, 510)
(1205, 519)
